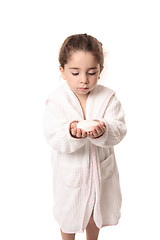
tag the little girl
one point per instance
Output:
(86, 185)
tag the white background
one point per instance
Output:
(31, 34)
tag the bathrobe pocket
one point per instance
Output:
(72, 176)
(107, 167)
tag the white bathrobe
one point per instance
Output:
(85, 174)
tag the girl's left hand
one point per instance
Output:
(97, 131)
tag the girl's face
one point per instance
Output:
(81, 72)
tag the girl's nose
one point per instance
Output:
(84, 79)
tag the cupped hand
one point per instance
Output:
(77, 133)
(98, 130)
(95, 133)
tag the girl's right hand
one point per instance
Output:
(77, 133)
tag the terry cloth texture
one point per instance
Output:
(85, 174)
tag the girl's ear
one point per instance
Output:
(100, 71)
(61, 69)
(62, 72)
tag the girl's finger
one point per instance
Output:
(91, 135)
(95, 133)
(74, 125)
(102, 123)
(79, 133)
(73, 131)
(97, 130)
(84, 134)
(102, 128)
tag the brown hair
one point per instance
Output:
(81, 42)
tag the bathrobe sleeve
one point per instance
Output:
(114, 119)
(56, 129)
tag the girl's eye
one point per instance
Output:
(75, 74)
(92, 73)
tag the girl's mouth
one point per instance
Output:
(83, 88)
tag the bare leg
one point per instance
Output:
(67, 236)
(92, 231)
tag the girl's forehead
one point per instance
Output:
(81, 58)
(81, 54)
